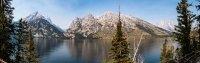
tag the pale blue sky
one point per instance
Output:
(62, 12)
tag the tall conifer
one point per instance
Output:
(119, 50)
(21, 37)
(29, 48)
(198, 23)
(6, 29)
(167, 53)
(183, 29)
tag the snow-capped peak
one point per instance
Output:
(166, 24)
(88, 16)
(109, 12)
(37, 15)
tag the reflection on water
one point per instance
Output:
(55, 50)
(91, 51)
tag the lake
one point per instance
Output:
(57, 50)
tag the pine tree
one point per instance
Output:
(198, 22)
(22, 34)
(167, 53)
(183, 28)
(30, 51)
(6, 29)
(119, 50)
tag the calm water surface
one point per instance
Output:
(56, 50)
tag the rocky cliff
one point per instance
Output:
(104, 26)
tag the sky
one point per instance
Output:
(63, 12)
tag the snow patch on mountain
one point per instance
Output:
(166, 24)
(104, 26)
(37, 15)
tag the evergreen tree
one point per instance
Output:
(198, 6)
(167, 53)
(6, 29)
(183, 28)
(22, 34)
(30, 52)
(119, 50)
(198, 23)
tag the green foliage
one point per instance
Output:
(120, 50)
(184, 36)
(198, 6)
(185, 20)
(167, 53)
(6, 29)
(21, 37)
(111, 61)
(198, 23)
(104, 61)
(29, 49)
(25, 50)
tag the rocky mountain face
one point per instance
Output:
(104, 26)
(166, 24)
(42, 26)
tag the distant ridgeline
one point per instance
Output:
(104, 26)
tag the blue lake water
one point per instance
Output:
(57, 50)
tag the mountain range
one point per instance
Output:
(166, 24)
(42, 26)
(104, 26)
(89, 26)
